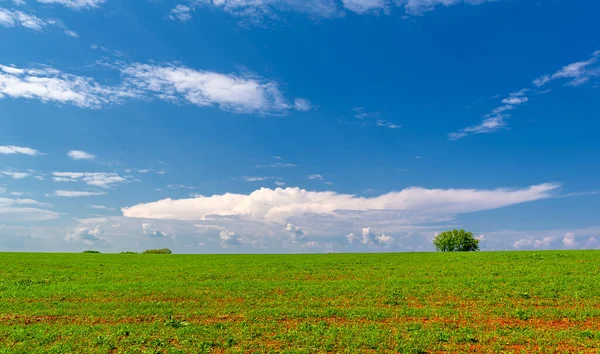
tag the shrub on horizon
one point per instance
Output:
(91, 251)
(456, 241)
(158, 251)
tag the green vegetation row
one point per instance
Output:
(508, 302)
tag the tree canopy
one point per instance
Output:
(456, 241)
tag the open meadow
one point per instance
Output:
(509, 302)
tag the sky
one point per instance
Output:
(298, 126)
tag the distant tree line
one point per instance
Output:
(154, 251)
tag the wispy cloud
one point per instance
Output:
(181, 12)
(51, 85)
(75, 4)
(11, 150)
(74, 194)
(577, 73)
(256, 12)
(15, 175)
(98, 179)
(257, 178)
(173, 83)
(16, 18)
(22, 210)
(368, 117)
(277, 164)
(230, 92)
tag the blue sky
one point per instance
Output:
(298, 126)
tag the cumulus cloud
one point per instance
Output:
(80, 155)
(367, 237)
(296, 234)
(276, 205)
(89, 236)
(150, 231)
(551, 239)
(75, 194)
(229, 238)
(98, 179)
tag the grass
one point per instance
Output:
(508, 302)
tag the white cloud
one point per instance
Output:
(74, 194)
(71, 34)
(364, 6)
(557, 239)
(315, 177)
(170, 82)
(11, 150)
(181, 13)
(229, 238)
(277, 164)
(256, 11)
(569, 240)
(240, 94)
(302, 104)
(80, 155)
(385, 240)
(386, 124)
(150, 231)
(15, 175)
(255, 178)
(89, 236)
(417, 7)
(10, 18)
(496, 119)
(277, 205)
(21, 210)
(578, 73)
(296, 233)
(98, 179)
(75, 4)
(51, 85)
(545, 242)
(373, 118)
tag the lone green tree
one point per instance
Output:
(456, 241)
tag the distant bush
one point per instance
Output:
(456, 241)
(91, 251)
(129, 252)
(158, 251)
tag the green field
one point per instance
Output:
(403, 302)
